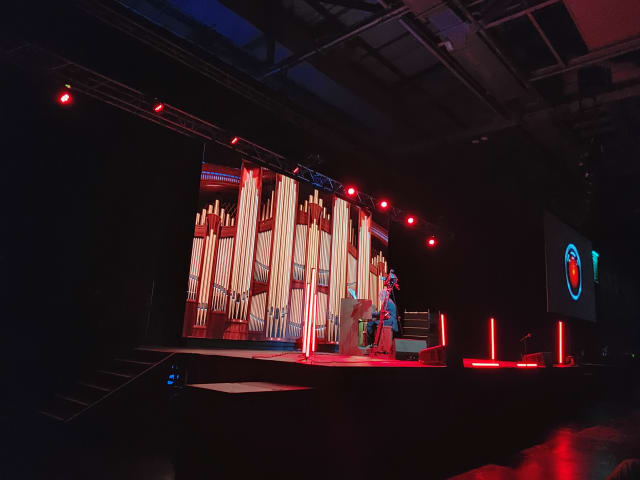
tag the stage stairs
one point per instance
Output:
(417, 326)
(97, 386)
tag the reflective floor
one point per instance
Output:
(577, 452)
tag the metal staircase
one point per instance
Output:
(96, 387)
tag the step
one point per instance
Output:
(51, 415)
(415, 323)
(127, 368)
(142, 355)
(73, 400)
(116, 374)
(86, 393)
(62, 409)
(104, 380)
(96, 387)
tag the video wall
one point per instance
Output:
(569, 265)
(259, 239)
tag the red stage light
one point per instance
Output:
(64, 98)
(383, 204)
(351, 191)
(442, 331)
(493, 338)
(411, 220)
(234, 140)
(158, 107)
(560, 343)
(432, 242)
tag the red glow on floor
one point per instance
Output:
(234, 140)
(158, 108)
(493, 338)
(442, 331)
(560, 343)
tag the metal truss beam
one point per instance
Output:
(526, 11)
(355, 5)
(380, 19)
(590, 58)
(122, 22)
(119, 95)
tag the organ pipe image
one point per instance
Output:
(281, 257)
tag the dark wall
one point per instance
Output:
(97, 208)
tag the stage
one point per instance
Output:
(316, 359)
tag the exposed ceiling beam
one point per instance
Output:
(590, 58)
(356, 5)
(519, 14)
(296, 58)
(123, 22)
(546, 40)
(425, 39)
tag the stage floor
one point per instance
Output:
(317, 359)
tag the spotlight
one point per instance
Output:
(432, 242)
(351, 191)
(411, 220)
(158, 107)
(234, 140)
(65, 98)
(383, 204)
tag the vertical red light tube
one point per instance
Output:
(305, 335)
(442, 331)
(493, 338)
(560, 343)
(314, 309)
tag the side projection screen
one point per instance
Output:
(570, 288)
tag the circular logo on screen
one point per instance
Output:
(573, 271)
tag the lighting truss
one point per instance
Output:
(119, 95)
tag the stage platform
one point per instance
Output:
(317, 359)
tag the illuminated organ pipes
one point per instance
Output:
(364, 254)
(338, 271)
(311, 253)
(251, 260)
(242, 265)
(213, 222)
(194, 268)
(281, 257)
(219, 292)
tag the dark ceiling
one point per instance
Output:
(553, 85)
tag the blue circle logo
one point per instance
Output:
(573, 271)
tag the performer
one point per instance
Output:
(391, 320)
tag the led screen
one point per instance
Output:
(570, 287)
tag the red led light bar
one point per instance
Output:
(485, 364)
(442, 331)
(560, 344)
(493, 338)
(234, 140)
(526, 365)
